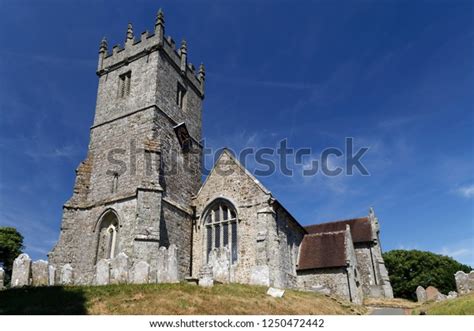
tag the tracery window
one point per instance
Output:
(108, 236)
(221, 228)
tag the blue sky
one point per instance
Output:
(396, 75)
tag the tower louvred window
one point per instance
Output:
(125, 84)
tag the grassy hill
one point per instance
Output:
(463, 305)
(161, 299)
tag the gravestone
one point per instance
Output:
(462, 282)
(172, 264)
(260, 275)
(39, 273)
(432, 293)
(102, 272)
(21, 271)
(470, 281)
(2, 278)
(421, 294)
(119, 269)
(140, 273)
(219, 260)
(67, 275)
(441, 297)
(275, 292)
(162, 265)
(320, 289)
(51, 275)
(205, 277)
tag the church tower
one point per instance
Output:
(133, 191)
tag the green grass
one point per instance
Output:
(463, 305)
(173, 299)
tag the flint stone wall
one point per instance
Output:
(268, 238)
(334, 279)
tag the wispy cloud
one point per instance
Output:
(455, 253)
(466, 191)
(46, 59)
(67, 151)
(261, 83)
(460, 250)
(397, 122)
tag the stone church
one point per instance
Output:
(139, 192)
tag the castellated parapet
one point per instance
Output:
(147, 43)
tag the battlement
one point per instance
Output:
(134, 49)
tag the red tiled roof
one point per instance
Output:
(326, 250)
(361, 229)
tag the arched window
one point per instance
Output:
(221, 228)
(108, 236)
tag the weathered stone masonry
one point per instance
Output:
(139, 213)
(133, 190)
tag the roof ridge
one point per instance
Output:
(324, 233)
(366, 218)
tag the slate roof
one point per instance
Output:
(361, 229)
(322, 250)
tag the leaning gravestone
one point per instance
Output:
(275, 292)
(432, 293)
(21, 271)
(2, 278)
(140, 273)
(102, 272)
(39, 273)
(119, 269)
(421, 294)
(67, 275)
